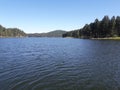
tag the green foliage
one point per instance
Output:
(98, 29)
(11, 32)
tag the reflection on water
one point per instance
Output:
(59, 64)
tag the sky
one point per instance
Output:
(37, 16)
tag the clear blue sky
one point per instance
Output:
(47, 15)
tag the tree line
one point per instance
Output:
(107, 27)
(11, 32)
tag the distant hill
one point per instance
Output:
(11, 32)
(56, 33)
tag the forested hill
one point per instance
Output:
(11, 32)
(56, 33)
(98, 29)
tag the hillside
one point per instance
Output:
(11, 32)
(98, 29)
(56, 33)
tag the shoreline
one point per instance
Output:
(106, 38)
(14, 37)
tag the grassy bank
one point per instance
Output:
(107, 38)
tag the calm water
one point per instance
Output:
(59, 64)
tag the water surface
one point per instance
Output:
(59, 64)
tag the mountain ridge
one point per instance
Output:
(55, 33)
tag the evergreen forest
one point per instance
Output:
(107, 27)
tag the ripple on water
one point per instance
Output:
(59, 64)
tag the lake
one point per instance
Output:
(59, 64)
